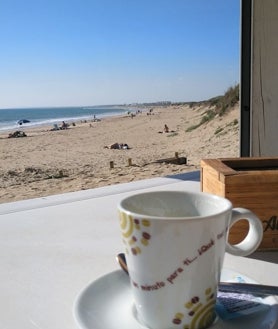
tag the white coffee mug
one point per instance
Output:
(175, 244)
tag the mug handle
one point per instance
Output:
(254, 237)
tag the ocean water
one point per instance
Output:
(53, 115)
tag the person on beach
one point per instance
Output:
(118, 146)
(166, 130)
(64, 125)
(17, 134)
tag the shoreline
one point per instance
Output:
(44, 127)
(52, 162)
(51, 121)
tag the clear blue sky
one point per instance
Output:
(92, 52)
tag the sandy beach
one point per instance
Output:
(51, 162)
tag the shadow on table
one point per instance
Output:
(191, 176)
(267, 256)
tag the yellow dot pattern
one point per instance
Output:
(201, 311)
(135, 233)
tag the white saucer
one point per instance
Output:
(107, 304)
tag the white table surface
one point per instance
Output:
(52, 247)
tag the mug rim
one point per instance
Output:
(227, 205)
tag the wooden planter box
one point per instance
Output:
(251, 183)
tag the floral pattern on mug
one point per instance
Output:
(135, 233)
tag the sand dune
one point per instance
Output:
(51, 162)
